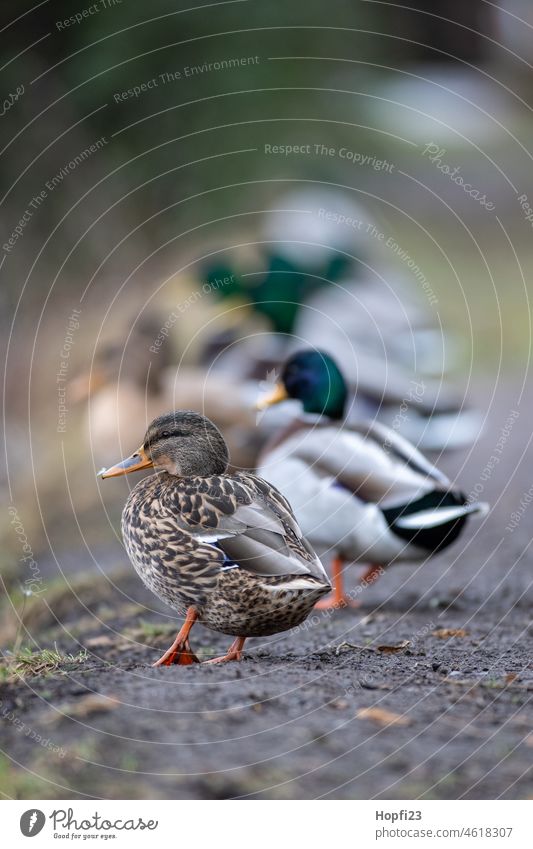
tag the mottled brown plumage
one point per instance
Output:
(224, 546)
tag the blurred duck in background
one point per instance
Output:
(128, 386)
(360, 491)
(297, 254)
(311, 284)
(316, 287)
(331, 235)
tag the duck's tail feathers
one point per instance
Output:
(298, 583)
(434, 517)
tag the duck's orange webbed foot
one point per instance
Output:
(180, 655)
(234, 652)
(180, 652)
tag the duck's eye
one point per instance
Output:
(167, 434)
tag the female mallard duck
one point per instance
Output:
(224, 549)
(129, 383)
(362, 491)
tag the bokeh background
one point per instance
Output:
(143, 151)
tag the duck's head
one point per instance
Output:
(313, 378)
(130, 361)
(182, 443)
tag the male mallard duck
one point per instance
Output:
(223, 549)
(361, 490)
(302, 249)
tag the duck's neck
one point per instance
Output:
(330, 406)
(336, 415)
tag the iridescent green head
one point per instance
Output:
(313, 378)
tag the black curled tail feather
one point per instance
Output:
(432, 538)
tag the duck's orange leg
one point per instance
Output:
(338, 597)
(234, 652)
(180, 651)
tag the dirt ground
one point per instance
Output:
(379, 702)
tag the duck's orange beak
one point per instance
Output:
(278, 394)
(138, 460)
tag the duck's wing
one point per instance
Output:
(248, 523)
(369, 460)
(400, 448)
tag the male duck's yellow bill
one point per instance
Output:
(138, 460)
(278, 394)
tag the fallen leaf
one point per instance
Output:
(445, 633)
(381, 716)
(510, 677)
(393, 649)
(346, 645)
(384, 649)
